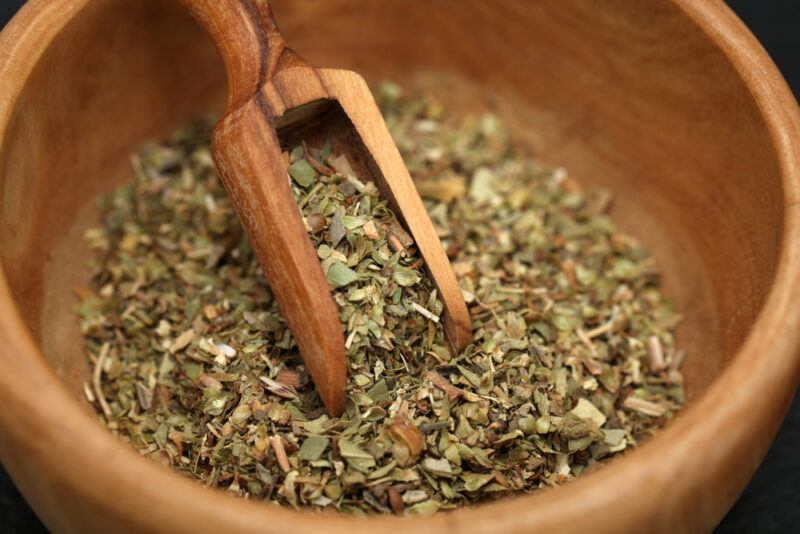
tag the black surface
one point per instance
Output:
(771, 502)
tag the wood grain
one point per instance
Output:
(267, 84)
(670, 104)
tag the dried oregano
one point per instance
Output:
(573, 359)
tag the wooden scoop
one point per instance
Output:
(275, 97)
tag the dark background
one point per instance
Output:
(771, 502)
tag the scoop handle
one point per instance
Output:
(247, 153)
(249, 41)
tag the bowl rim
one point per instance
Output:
(768, 361)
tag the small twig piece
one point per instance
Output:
(315, 163)
(644, 407)
(280, 453)
(396, 244)
(87, 390)
(96, 375)
(444, 384)
(425, 312)
(310, 195)
(677, 360)
(586, 340)
(655, 354)
(396, 501)
(600, 330)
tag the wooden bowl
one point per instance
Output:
(672, 105)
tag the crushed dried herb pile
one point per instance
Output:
(573, 359)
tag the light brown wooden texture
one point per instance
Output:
(670, 104)
(270, 90)
(247, 153)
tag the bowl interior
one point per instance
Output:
(606, 91)
(670, 131)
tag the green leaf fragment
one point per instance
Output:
(379, 392)
(588, 411)
(313, 447)
(438, 466)
(475, 481)
(348, 449)
(302, 172)
(340, 275)
(482, 187)
(425, 508)
(405, 277)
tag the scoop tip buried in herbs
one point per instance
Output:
(274, 97)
